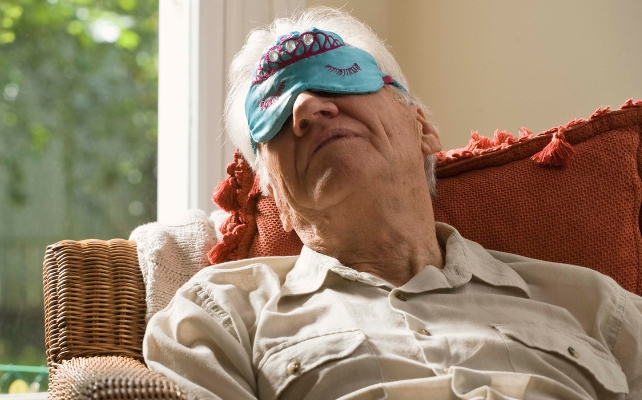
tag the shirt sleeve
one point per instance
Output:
(202, 345)
(628, 345)
(193, 348)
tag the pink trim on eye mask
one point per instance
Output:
(321, 42)
(265, 104)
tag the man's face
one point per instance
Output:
(335, 147)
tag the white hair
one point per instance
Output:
(352, 31)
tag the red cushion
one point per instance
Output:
(571, 194)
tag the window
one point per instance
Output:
(198, 39)
(78, 148)
(79, 95)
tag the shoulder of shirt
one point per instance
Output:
(277, 267)
(511, 259)
(531, 269)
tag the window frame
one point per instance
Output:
(197, 41)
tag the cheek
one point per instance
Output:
(402, 128)
(280, 170)
(386, 115)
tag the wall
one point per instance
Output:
(483, 65)
(375, 13)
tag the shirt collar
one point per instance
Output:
(464, 259)
(309, 272)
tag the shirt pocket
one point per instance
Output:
(580, 350)
(285, 368)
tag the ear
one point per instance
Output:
(430, 143)
(285, 220)
(287, 226)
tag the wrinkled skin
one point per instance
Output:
(347, 173)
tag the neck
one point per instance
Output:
(392, 237)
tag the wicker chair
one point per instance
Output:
(95, 321)
(95, 297)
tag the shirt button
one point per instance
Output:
(573, 352)
(294, 367)
(422, 331)
(446, 370)
(400, 296)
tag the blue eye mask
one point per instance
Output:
(310, 60)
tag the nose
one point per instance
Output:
(310, 108)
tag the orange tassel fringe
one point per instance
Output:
(225, 195)
(557, 153)
(237, 194)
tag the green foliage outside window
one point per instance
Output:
(78, 132)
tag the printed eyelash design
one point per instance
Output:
(344, 71)
(265, 104)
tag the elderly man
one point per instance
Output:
(383, 302)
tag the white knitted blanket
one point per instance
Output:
(170, 254)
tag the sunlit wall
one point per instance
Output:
(483, 65)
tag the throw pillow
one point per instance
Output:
(571, 194)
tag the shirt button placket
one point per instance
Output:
(400, 296)
(422, 331)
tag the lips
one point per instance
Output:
(329, 136)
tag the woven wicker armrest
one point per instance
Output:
(109, 377)
(94, 299)
(95, 322)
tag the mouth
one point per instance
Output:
(329, 137)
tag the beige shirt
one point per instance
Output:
(490, 325)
